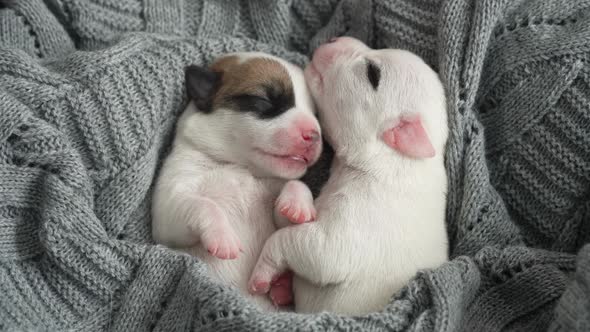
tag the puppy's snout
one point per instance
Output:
(305, 133)
(325, 55)
(311, 136)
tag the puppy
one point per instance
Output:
(381, 215)
(249, 128)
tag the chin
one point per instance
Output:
(288, 172)
(281, 167)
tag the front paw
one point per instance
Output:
(261, 280)
(216, 234)
(222, 242)
(259, 286)
(296, 203)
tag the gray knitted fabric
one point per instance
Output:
(89, 94)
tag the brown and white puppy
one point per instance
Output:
(249, 129)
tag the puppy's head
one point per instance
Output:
(257, 112)
(370, 99)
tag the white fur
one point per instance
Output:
(212, 184)
(381, 216)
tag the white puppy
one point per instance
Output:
(381, 216)
(250, 126)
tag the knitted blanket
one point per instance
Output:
(89, 94)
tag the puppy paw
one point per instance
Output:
(222, 242)
(216, 234)
(296, 212)
(296, 203)
(259, 284)
(281, 292)
(261, 280)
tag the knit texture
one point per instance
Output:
(89, 94)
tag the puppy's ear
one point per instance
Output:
(409, 138)
(201, 84)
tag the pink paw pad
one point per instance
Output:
(218, 238)
(297, 214)
(296, 203)
(223, 246)
(260, 287)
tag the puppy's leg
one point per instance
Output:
(294, 204)
(301, 248)
(214, 230)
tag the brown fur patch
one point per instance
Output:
(260, 77)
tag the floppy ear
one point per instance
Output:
(409, 138)
(201, 84)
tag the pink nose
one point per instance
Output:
(325, 55)
(311, 136)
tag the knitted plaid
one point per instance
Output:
(89, 94)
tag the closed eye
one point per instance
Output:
(373, 74)
(274, 101)
(253, 103)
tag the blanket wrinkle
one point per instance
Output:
(89, 94)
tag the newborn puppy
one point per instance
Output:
(250, 127)
(381, 215)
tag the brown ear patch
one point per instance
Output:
(259, 85)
